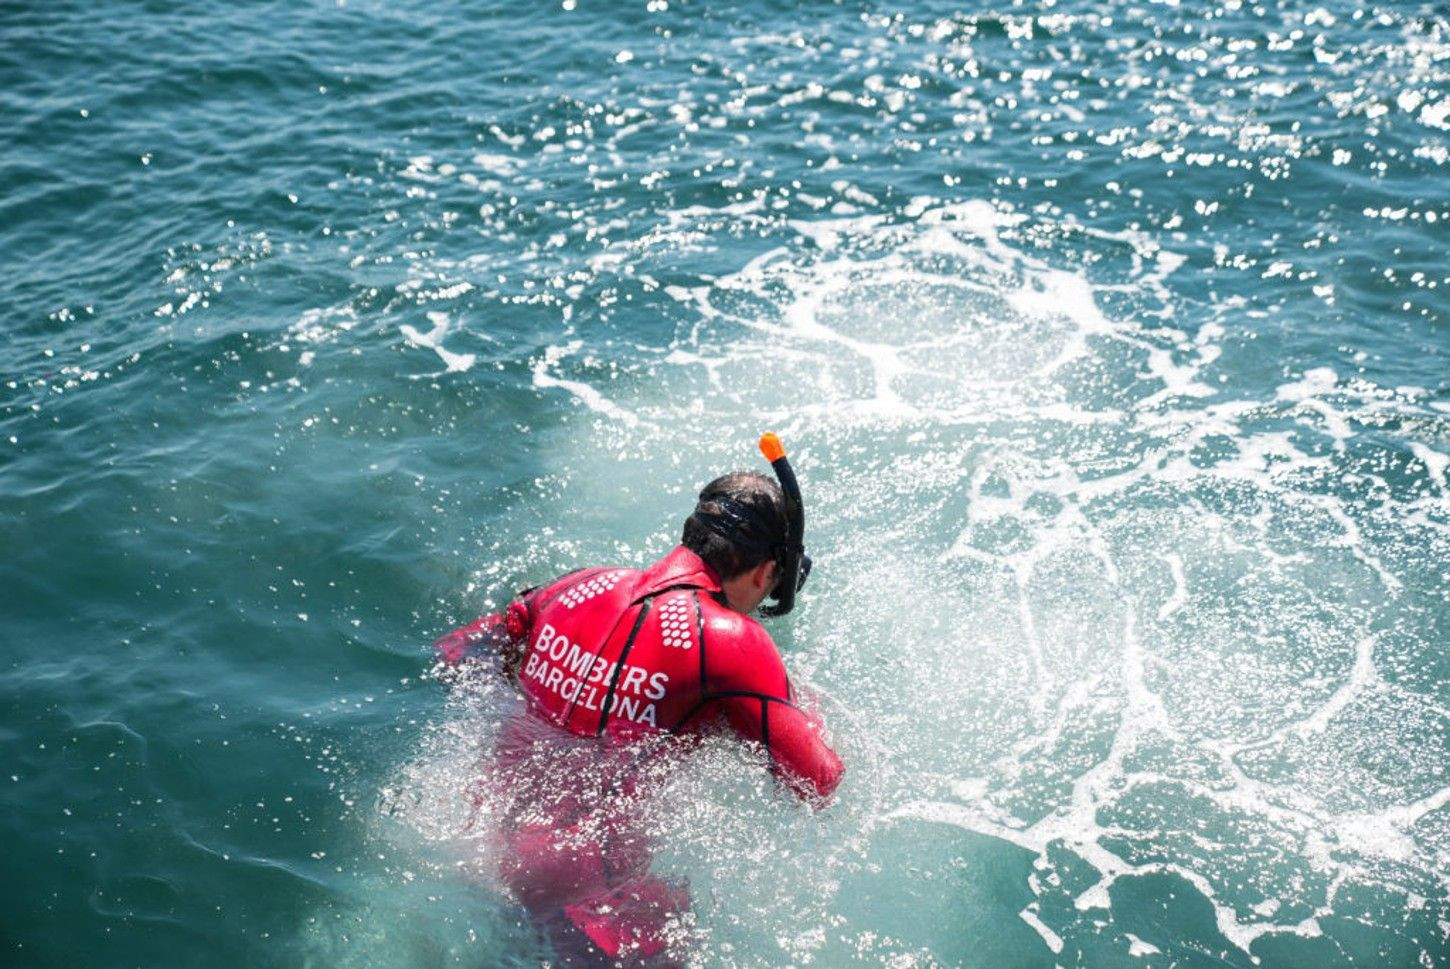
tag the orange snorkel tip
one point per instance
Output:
(771, 447)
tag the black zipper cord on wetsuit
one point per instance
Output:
(614, 782)
(765, 731)
(629, 645)
(574, 703)
(700, 624)
(569, 714)
(619, 663)
(584, 575)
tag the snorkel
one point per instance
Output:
(791, 557)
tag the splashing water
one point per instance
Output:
(1109, 344)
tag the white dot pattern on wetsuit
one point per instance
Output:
(584, 591)
(675, 621)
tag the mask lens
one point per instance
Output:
(805, 572)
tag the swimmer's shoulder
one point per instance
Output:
(578, 585)
(740, 654)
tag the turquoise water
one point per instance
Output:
(1110, 341)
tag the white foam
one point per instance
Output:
(433, 340)
(1362, 676)
(1053, 940)
(587, 395)
(1175, 601)
(1433, 460)
(1309, 391)
(323, 324)
(1138, 948)
(1436, 115)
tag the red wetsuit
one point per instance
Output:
(623, 654)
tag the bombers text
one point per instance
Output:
(563, 668)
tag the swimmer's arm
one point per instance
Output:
(501, 633)
(799, 755)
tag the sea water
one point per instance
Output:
(1109, 341)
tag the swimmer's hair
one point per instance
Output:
(730, 558)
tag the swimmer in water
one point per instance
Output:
(625, 657)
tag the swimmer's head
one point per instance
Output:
(739, 522)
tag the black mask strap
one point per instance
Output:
(739, 524)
